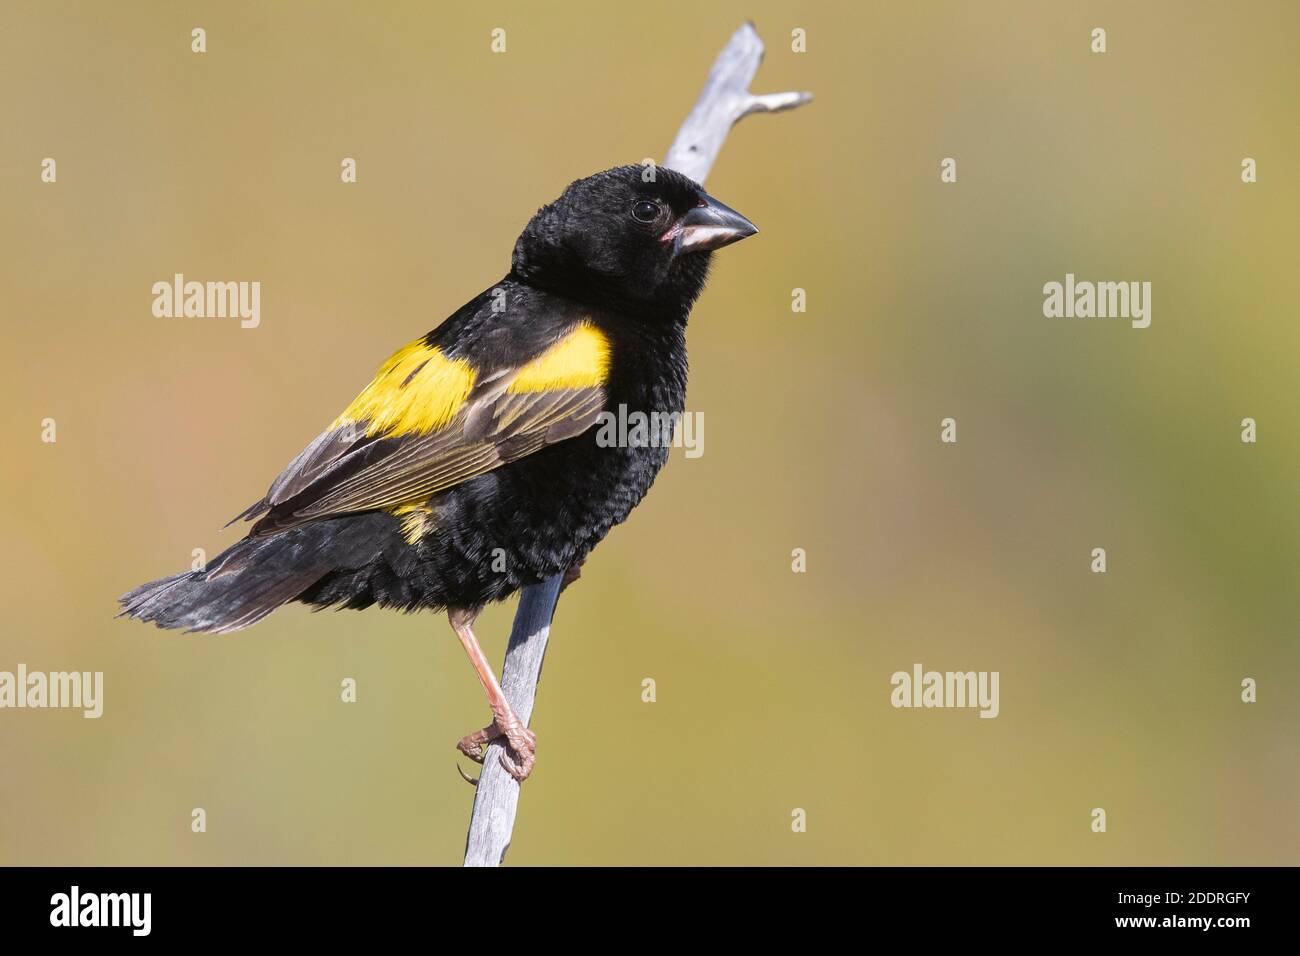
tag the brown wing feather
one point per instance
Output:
(493, 428)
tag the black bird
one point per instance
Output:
(469, 467)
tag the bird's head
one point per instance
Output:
(631, 236)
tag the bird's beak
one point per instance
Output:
(710, 225)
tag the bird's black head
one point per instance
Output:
(634, 237)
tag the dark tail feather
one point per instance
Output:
(251, 512)
(255, 576)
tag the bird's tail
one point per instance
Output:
(253, 577)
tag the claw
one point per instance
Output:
(474, 753)
(521, 770)
(471, 745)
(518, 754)
(472, 781)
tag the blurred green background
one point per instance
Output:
(924, 301)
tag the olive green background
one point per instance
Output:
(1119, 691)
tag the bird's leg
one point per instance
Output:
(518, 757)
(571, 575)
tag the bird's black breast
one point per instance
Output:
(541, 514)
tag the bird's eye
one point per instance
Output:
(645, 211)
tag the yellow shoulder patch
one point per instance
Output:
(417, 390)
(579, 360)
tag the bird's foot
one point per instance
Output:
(520, 751)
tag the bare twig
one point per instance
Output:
(497, 797)
(724, 101)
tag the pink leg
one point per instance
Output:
(520, 754)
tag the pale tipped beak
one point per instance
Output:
(710, 225)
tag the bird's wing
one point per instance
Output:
(428, 422)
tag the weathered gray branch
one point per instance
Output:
(497, 796)
(724, 101)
